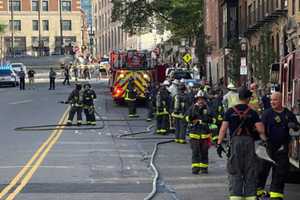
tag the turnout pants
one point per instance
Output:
(162, 123)
(89, 112)
(242, 169)
(199, 154)
(180, 129)
(75, 110)
(131, 108)
(279, 174)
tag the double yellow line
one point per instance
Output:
(25, 174)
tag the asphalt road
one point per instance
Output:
(93, 164)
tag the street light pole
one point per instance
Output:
(39, 27)
(12, 27)
(61, 29)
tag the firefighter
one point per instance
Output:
(241, 120)
(75, 99)
(52, 76)
(277, 121)
(88, 104)
(217, 111)
(163, 101)
(130, 98)
(199, 120)
(151, 100)
(67, 75)
(231, 98)
(181, 105)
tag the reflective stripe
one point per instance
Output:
(250, 198)
(203, 165)
(180, 116)
(176, 140)
(194, 136)
(220, 118)
(182, 141)
(163, 130)
(276, 195)
(187, 118)
(260, 192)
(199, 136)
(213, 126)
(236, 198)
(215, 138)
(195, 164)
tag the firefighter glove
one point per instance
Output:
(220, 149)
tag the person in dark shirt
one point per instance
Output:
(241, 121)
(30, 75)
(277, 121)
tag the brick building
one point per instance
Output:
(28, 27)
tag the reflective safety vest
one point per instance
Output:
(130, 95)
(254, 103)
(232, 100)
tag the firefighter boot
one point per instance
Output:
(195, 170)
(204, 171)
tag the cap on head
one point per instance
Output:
(244, 93)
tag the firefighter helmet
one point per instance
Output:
(231, 86)
(166, 83)
(200, 94)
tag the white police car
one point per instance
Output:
(8, 76)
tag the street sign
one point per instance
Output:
(243, 70)
(187, 58)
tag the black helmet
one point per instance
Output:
(78, 86)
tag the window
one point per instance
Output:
(45, 25)
(16, 4)
(35, 25)
(67, 25)
(66, 5)
(45, 5)
(293, 7)
(34, 5)
(17, 25)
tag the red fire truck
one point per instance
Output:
(134, 64)
(288, 72)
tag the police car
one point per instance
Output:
(8, 76)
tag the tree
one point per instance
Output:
(184, 18)
(262, 58)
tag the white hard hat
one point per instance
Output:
(200, 93)
(182, 80)
(166, 83)
(231, 86)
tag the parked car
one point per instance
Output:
(18, 66)
(8, 76)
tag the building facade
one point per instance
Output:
(31, 30)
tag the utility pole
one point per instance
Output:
(61, 29)
(12, 27)
(39, 27)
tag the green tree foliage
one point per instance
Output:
(184, 18)
(262, 58)
(234, 61)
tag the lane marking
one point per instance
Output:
(20, 102)
(29, 175)
(22, 172)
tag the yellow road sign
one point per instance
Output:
(187, 58)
